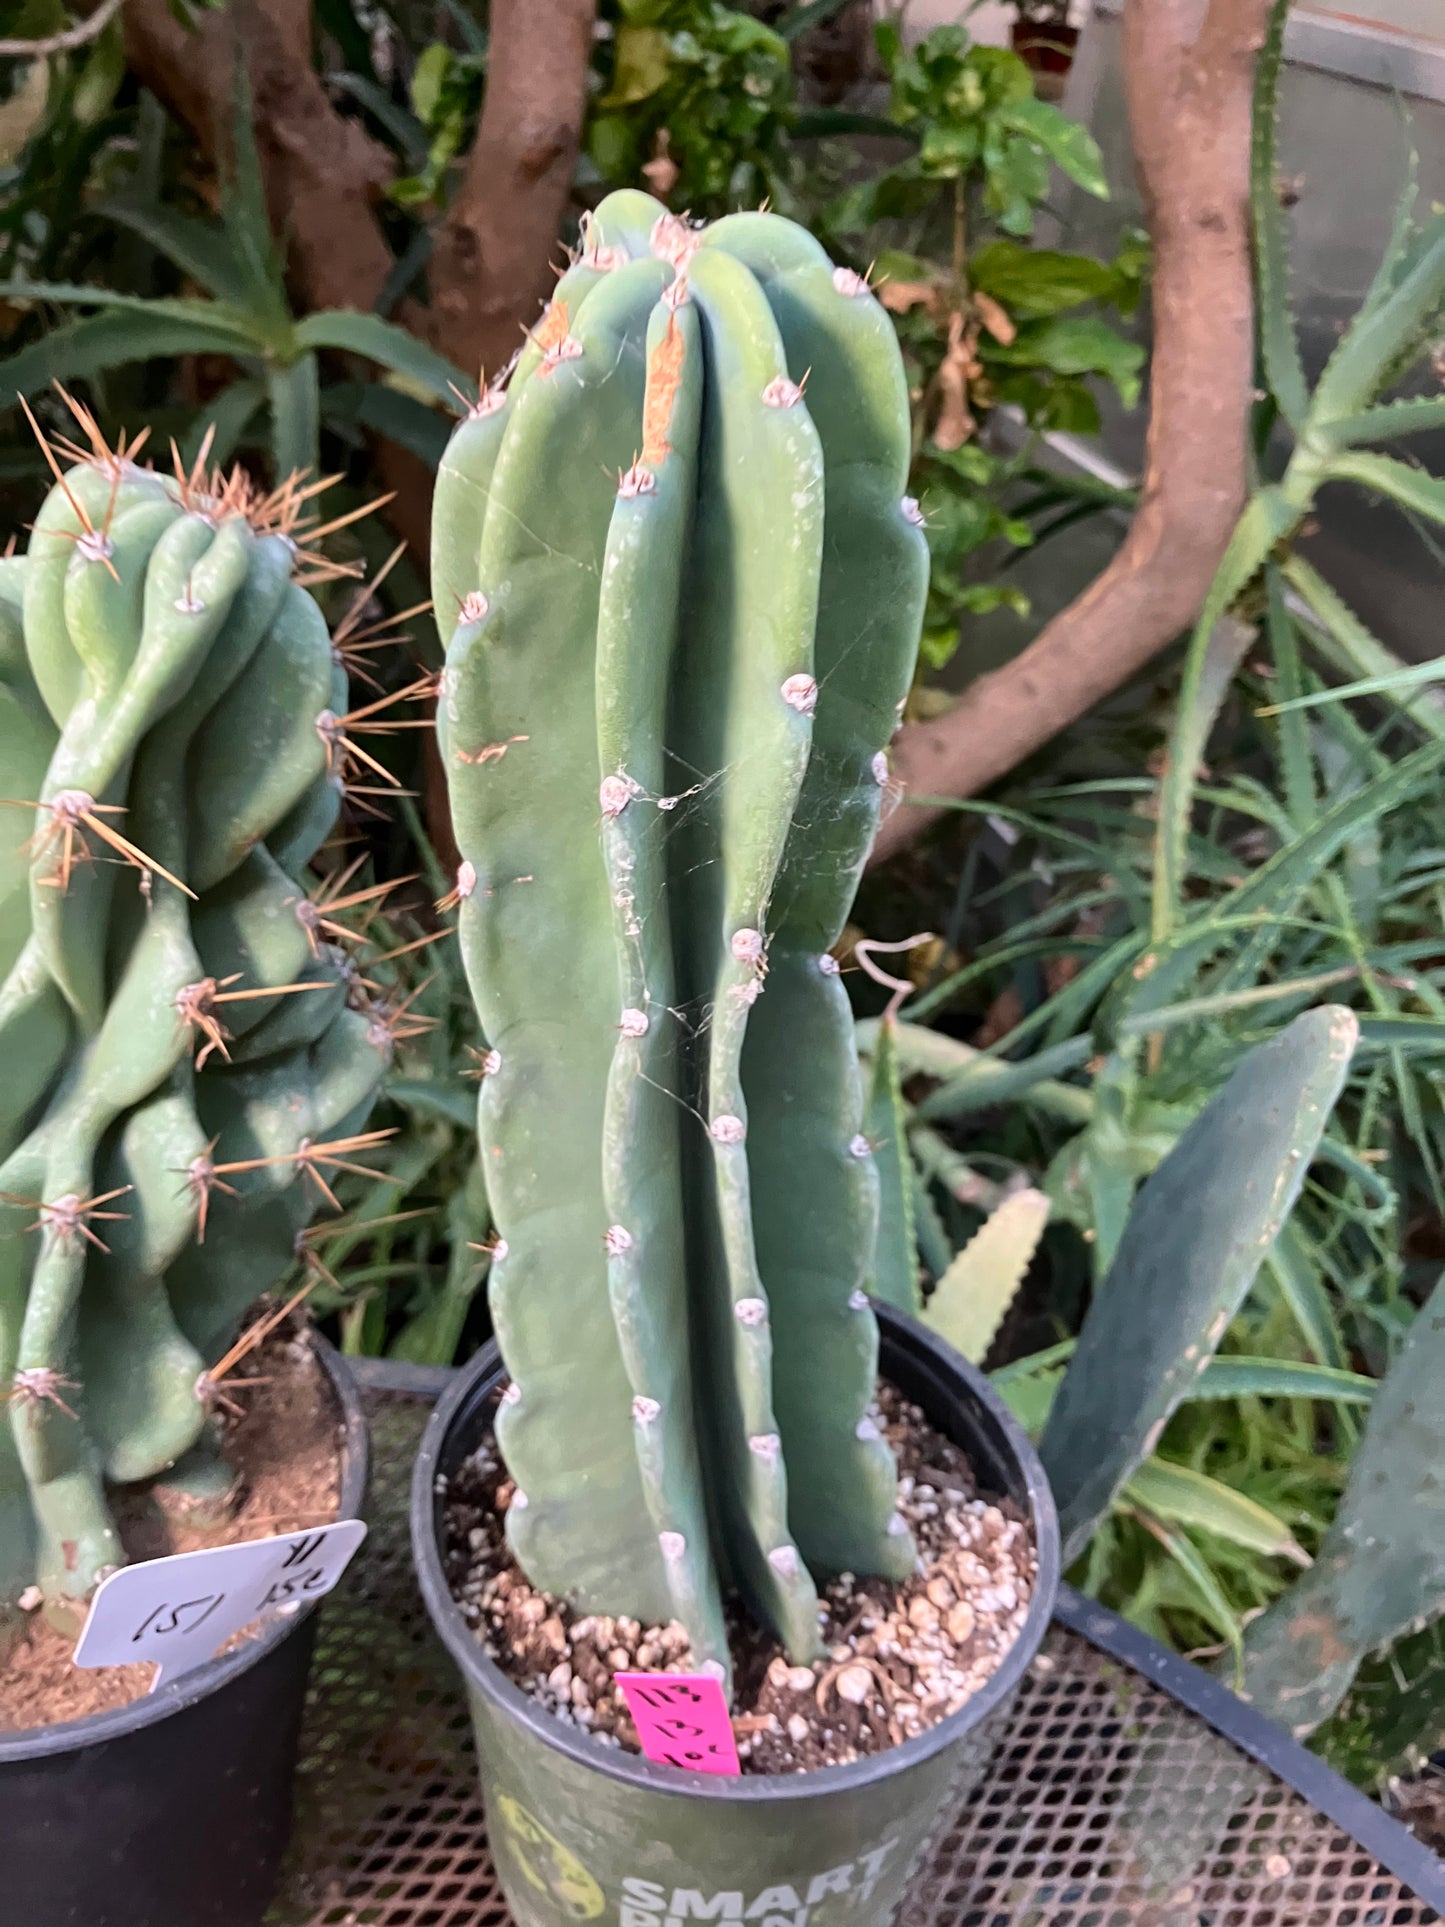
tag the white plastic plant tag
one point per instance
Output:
(176, 1612)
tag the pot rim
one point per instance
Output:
(96, 1729)
(899, 1333)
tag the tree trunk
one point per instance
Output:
(324, 175)
(1189, 79)
(491, 267)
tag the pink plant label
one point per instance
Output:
(682, 1720)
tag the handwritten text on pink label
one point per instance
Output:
(682, 1720)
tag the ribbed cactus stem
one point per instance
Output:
(641, 1154)
(173, 672)
(682, 604)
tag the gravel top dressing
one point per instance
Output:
(898, 1658)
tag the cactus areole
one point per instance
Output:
(681, 593)
(167, 1102)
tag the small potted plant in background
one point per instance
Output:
(1043, 35)
(682, 588)
(183, 1069)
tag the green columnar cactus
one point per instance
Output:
(681, 590)
(171, 710)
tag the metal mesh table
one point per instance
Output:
(1113, 1799)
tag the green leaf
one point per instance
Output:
(1035, 282)
(895, 1272)
(402, 126)
(935, 1054)
(1228, 1003)
(1296, 767)
(433, 1335)
(294, 395)
(990, 1080)
(199, 249)
(1413, 1035)
(1189, 1498)
(1385, 333)
(1357, 649)
(1197, 1571)
(644, 57)
(948, 152)
(1293, 1266)
(1267, 517)
(463, 18)
(246, 220)
(382, 341)
(354, 407)
(226, 417)
(429, 77)
(81, 350)
(1074, 345)
(1068, 144)
(1239, 1377)
(1030, 1397)
(1412, 415)
(1035, 1362)
(1278, 343)
(1412, 488)
(1015, 180)
(1408, 677)
(220, 317)
(1275, 886)
(970, 1299)
(1195, 1239)
(934, 1246)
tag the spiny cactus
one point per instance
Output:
(181, 1061)
(681, 589)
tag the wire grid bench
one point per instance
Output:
(1130, 1790)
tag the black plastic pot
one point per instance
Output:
(580, 1831)
(174, 1811)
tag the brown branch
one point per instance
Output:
(1189, 91)
(67, 42)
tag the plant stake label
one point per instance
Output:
(682, 1720)
(175, 1612)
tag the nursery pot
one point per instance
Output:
(581, 1831)
(173, 1811)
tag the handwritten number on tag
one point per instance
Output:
(661, 1696)
(682, 1720)
(295, 1587)
(175, 1619)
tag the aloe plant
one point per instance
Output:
(182, 1063)
(242, 316)
(681, 591)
